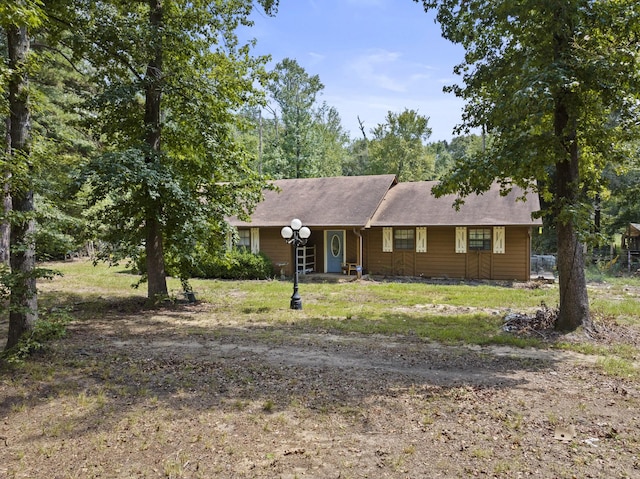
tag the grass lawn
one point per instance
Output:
(371, 379)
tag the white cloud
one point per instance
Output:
(374, 68)
(316, 57)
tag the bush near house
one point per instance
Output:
(233, 264)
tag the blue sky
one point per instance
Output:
(373, 56)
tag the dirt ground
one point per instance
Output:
(180, 392)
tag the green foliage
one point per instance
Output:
(514, 76)
(25, 12)
(621, 204)
(175, 176)
(398, 147)
(233, 264)
(50, 326)
(58, 232)
(294, 91)
(330, 141)
(557, 85)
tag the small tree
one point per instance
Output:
(398, 146)
(295, 91)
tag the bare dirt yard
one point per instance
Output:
(181, 392)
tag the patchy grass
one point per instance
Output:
(448, 313)
(370, 379)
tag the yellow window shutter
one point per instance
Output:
(229, 241)
(387, 240)
(255, 240)
(421, 239)
(498, 240)
(461, 239)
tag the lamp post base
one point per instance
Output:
(296, 303)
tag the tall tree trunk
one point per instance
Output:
(23, 303)
(574, 301)
(157, 278)
(5, 228)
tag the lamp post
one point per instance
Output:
(297, 235)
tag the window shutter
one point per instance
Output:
(229, 242)
(498, 240)
(421, 239)
(255, 240)
(461, 239)
(387, 240)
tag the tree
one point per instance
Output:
(170, 77)
(330, 140)
(398, 147)
(621, 203)
(16, 20)
(457, 150)
(295, 91)
(556, 84)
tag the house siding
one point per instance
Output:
(277, 250)
(441, 260)
(515, 263)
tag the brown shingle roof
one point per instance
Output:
(336, 201)
(412, 203)
(634, 229)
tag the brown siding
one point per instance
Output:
(441, 260)
(515, 263)
(275, 248)
(377, 261)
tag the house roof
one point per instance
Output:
(412, 203)
(337, 201)
(634, 229)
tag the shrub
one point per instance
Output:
(48, 327)
(234, 264)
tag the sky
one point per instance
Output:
(372, 56)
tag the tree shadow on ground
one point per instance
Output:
(133, 356)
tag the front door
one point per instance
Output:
(334, 253)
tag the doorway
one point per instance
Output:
(334, 250)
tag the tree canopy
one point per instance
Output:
(170, 77)
(557, 85)
(398, 146)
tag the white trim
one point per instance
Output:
(421, 239)
(498, 240)
(255, 240)
(461, 239)
(387, 240)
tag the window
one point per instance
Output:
(244, 240)
(480, 239)
(404, 239)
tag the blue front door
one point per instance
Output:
(334, 251)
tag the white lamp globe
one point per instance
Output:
(304, 232)
(286, 232)
(296, 224)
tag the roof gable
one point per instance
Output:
(335, 201)
(412, 203)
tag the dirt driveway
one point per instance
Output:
(182, 393)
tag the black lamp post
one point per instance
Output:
(297, 235)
